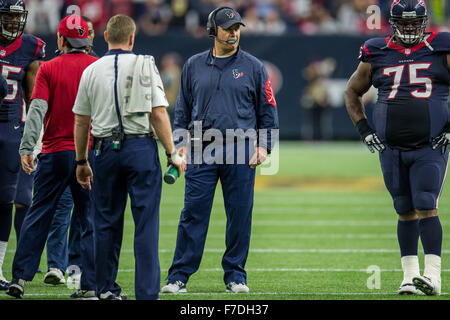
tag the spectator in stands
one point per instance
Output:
(97, 11)
(318, 22)
(318, 124)
(273, 24)
(125, 7)
(156, 18)
(179, 9)
(352, 18)
(170, 70)
(197, 17)
(43, 16)
(253, 24)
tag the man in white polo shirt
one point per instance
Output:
(124, 97)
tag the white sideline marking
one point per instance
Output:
(251, 294)
(307, 223)
(279, 270)
(301, 250)
(287, 251)
(260, 210)
(288, 270)
(303, 236)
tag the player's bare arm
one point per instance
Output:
(81, 134)
(358, 84)
(82, 125)
(30, 77)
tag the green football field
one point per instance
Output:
(323, 228)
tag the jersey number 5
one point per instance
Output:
(413, 79)
(14, 84)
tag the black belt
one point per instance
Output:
(127, 137)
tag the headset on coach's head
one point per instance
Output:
(211, 26)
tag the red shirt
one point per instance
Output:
(57, 83)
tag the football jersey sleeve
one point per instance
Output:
(441, 43)
(41, 85)
(364, 53)
(40, 50)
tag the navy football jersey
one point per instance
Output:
(14, 60)
(413, 87)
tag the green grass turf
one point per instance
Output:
(317, 227)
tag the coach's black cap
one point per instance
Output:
(225, 18)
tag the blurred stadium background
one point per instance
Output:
(309, 47)
(326, 216)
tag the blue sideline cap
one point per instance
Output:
(225, 18)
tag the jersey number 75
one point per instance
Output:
(413, 79)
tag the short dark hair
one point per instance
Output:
(69, 46)
(86, 19)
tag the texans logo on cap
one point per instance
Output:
(80, 31)
(230, 14)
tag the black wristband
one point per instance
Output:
(81, 162)
(170, 156)
(363, 128)
(447, 128)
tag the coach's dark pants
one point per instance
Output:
(55, 172)
(134, 170)
(238, 188)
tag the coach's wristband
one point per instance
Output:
(171, 155)
(363, 128)
(81, 162)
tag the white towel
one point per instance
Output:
(139, 91)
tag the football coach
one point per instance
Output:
(224, 89)
(123, 95)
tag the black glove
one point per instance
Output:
(442, 141)
(369, 136)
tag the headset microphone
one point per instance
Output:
(226, 41)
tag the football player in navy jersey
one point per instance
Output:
(410, 130)
(19, 55)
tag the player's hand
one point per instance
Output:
(85, 176)
(258, 157)
(441, 141)
(369, 136)
(27, 161)
(374, 143)
(178, 161)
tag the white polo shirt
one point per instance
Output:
(95, 96)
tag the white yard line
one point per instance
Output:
(287, 251)
(289, 270)
(303, 236)
(375, 293)
(300, 223)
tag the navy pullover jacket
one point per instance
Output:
(237, 96)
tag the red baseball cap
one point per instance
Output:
(75, 30)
